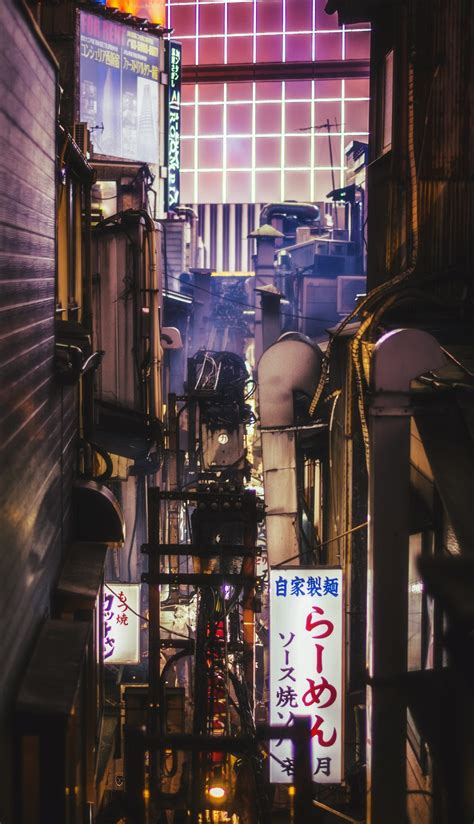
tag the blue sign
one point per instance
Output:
(119, 74)
(173, 128)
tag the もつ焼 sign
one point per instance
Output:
(306, 674)
(121, 623)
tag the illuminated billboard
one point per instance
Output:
(153, 10)
(121, 624)
(173, 125)
(306, 674)
(119, 71)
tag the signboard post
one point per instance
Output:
(306, 672)
(121, 624)
(173, 126)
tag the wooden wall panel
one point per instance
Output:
(38, 419)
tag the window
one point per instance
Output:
(385, 105)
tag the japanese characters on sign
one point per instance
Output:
(119, 73)
(121, 624)
(173, 125)
(306, 653)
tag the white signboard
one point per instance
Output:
(121, 625)
(306, 676)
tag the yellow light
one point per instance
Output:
(291, 790)
(216, 792)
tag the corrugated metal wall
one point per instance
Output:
(223, 229)
(438, 35)
(38, 419)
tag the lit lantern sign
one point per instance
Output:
(121, 626)
(306, 675)
(173, 159)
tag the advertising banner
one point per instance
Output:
(173, 127)
(119, 71)
(121, 624)
(306, 672)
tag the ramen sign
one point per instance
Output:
(306, 673)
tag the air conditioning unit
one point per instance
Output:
(82, 137)
(348, 288)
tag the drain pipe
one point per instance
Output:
(292, 364)
(398, 357)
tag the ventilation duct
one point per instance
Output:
(292, 364)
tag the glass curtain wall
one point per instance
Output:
(247, 142)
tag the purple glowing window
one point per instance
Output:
(187, 154)
(268, 118)
(211, 51)
(299, 15)
(267, 151)
(298, 90)
(211, 19)
(209, 152)
(297, 185)
(211, 92)
(270, 90)
(329, 46)
(328, 88)
(211, 120)
(357, 116)
(188, 51)
(297, 151)
(328, 110)
(269, 15)
(323, 19)
(270, 48)
(297, 116)
(187, 120)
(267, 187)
(357, 45)
(187, 93)
(183, 21)
(187, 187)
(239, 18)
(239, 152)
(239, 118)
(322, 153)
(240, 49)
(239, 187)
(298, 47)
(356, 87)
(210, 187)
(323, 184)
(239, 91)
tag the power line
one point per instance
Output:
(247, 305)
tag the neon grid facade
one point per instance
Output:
(262, 141)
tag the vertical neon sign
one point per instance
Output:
(173, 159)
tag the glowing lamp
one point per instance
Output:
(217, 792)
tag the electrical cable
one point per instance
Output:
(248, 305)
(144, 617)
(323, 543)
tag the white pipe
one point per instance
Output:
(292, 364)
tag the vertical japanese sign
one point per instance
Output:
(306, 674)
(121, 624)
(119, 72)
(173, 128)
